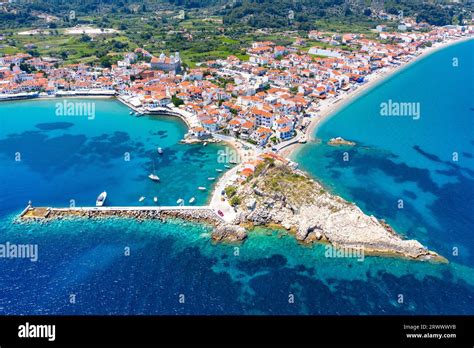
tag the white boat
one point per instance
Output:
(101, 199)
(219, 170)
(202, 188)
(154, 177)
(192, 200)
(131, 112)
(211, 178)
(160, 150)
(141, 199)
(205, 143)
(227, 166)
(180, 201)
(155, 199)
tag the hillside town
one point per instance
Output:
(266, 101)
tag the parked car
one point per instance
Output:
(220, 213)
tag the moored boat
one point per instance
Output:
(155, 199)
(101, 199)
(219, 170)
(201, 188)
(160, 150)
(192, 200)
(211, 178)
(180, 201)
(141, 199)
(154, 177)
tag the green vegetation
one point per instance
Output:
(278, 178)
(230, 191)
(176, 101)
(209, 29)
(235, 201)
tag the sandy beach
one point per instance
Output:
(329, 107)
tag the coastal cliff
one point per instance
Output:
(278, 194)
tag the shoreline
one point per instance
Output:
(375, 79)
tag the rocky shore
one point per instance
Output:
(287, 197)
(275, 195)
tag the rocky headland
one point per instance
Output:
(278, 194)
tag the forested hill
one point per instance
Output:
(279, 13)
(299, 14)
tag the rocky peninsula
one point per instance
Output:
(275, 195)
(278, 194)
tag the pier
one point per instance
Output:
(194, 213)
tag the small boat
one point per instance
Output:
(180, 201)
(227, 166)
(219, 170)
(211, 178)
(155, 199)
(192, 200)
(154, 177)
(202, 188)
(232, 162)
(160, 150)
(131, 112)
(101, 199)
(205, 143)
(141, 199)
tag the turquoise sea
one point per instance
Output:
(64, 158)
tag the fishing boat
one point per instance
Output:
(211, 178)
(155, 199)
(192, 200)
(160, 150)
(202, 188)
(101, 199)
(141, 199)
(180, 201)
(219, 170)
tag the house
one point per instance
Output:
(261, 135)
(199, 132)
(210, 124)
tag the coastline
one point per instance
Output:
(331, 107)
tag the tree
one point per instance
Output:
(176, 101)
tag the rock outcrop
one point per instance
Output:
(281, 195)
(229, 233)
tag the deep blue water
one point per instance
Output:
(65, 159)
